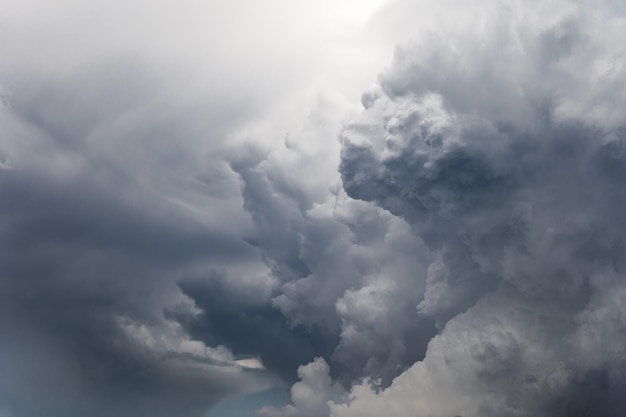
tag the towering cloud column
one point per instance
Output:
(503, 145)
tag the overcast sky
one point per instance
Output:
(344, 208)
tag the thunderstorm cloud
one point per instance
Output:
(386, 208)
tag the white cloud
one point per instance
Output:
(311, 395)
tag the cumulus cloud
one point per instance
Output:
(501, 147)
(343, 273)
(135, 199)
(188, 215)
(312, 394)
(119, 125)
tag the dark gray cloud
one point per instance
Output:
(344, 276)
(78, 262)
(494, 144)
(111, 190)
(131, 135)
(454, 248)
(250, 325)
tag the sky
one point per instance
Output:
(311, 208)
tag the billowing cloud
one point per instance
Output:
(344, 273)
(500, 145)
(193, 206)
(90, 258)
(312, 394)
(132, 282)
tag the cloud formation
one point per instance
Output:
(176, 230)
(501, 147)
(127, 133)
(90, 258)
(114, 186)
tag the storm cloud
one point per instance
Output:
(195, 205)
(497, 145)
(88, 268)
(133, 280)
